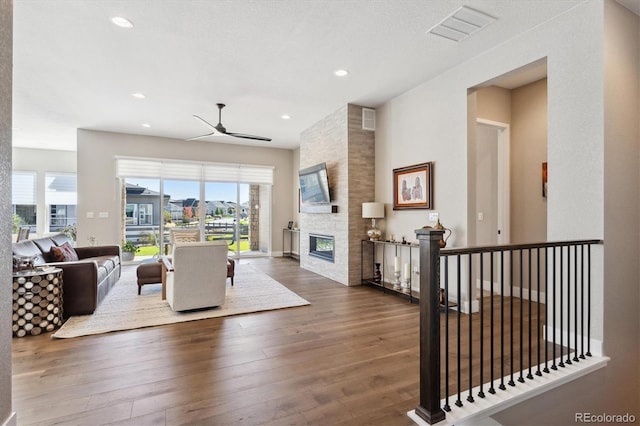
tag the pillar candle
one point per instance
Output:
(396, 264)
(407, 271)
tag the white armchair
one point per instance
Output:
(196, 275)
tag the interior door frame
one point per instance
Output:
(504, 178)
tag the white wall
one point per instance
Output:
(429, 123)
(98, 188)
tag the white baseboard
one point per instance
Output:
(12, 420)
(512, 291)
(569, 338)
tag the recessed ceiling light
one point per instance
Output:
(122, 22)
(341, 73)
(285, 116)
(146, 125)
(138, 95)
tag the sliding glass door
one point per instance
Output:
(211, 198)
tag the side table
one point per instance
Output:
(37, 301)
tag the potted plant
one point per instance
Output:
(129, 250)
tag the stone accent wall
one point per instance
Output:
(6, 72)
(339, 141)
(254, 218)
(361, 152)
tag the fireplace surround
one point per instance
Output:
(322, 246)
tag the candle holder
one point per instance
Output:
(406, 286)
(396, 284)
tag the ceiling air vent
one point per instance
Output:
(368, 119)
(461, 24)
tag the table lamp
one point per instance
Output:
(373, 211)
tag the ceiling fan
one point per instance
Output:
(221, 129)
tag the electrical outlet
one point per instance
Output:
(433, 216)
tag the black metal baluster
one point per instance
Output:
(529, 376)
(561, 363)
(491, 388)
(512, 361)
(502, 386)
(546, 310)
(568, 360)
(582, 300)
(538, 323)
(575, 305)
(553, 325)
(521, 300)
(470, 299)
(481, 393)
(589, 300)
(446, 407)
(459, 289)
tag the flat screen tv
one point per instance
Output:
(314, 185)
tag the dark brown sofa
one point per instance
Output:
(86, 281)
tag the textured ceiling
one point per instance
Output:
(74, 69)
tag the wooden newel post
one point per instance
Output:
(429, 408)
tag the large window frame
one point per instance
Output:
(130, 168)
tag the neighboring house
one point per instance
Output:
(143, 213)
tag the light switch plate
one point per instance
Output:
(89, 215)
(104, 215)
(433, 216)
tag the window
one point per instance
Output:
(224, 201)
(61, 216)
(145, 214)
(23, 196)
(131, 213)
(61, 199)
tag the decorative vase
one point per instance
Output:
(128, 256)
(377, 277)
(439, 226)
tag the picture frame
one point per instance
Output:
(544, 180)
(413, 187)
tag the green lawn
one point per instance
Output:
(153, 250)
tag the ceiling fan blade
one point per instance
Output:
(201, 137)
(243, 136)
(205, 122)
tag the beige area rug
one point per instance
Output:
(123, 309)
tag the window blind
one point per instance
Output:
(23, 187)
(60, 188)
(216, 172)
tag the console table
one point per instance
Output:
(37, 301)
(384, 253)
(292, 234)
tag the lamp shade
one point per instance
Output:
(372, 210)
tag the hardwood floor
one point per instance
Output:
(350, 358)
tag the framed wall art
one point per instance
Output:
(544, 180)
(413, 187)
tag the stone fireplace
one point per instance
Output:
(348, 150)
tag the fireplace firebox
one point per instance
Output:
(322, 246)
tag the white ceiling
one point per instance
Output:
(74, 69)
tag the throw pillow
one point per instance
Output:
(63, 253)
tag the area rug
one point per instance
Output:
(124, 309)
